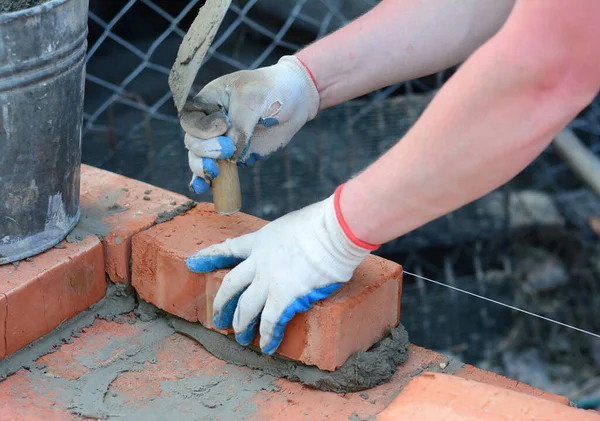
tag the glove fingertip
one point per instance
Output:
(274, 344)
(247, 336)
(227, 147)
(223, 317)
(210, 167)
(204, 264)
(299, 305)
(251, 160)
(198, 185)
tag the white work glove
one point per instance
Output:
(266, 107)
(284, 268)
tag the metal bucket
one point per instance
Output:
(42, 76)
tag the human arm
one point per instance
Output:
(494, 116)
(400, 40)
(395, 41)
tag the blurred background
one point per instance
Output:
(530, 244)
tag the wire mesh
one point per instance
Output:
(509, 244)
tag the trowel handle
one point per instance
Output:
(227, 195)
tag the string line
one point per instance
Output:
(502, 304)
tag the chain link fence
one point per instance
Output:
(527, 244)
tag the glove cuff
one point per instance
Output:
(308, 81)
(344, 225)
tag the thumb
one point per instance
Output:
(245, 111)
(223, 255)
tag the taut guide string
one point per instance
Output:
(502, 304)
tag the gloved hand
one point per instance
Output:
(266, 107)
(284, 268)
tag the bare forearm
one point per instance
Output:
(400, 40)
(496, 114)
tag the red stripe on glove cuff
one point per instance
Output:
(344, 225)
(312, 77)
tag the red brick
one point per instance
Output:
(473, 373)
(352, 319)
(49, 289)
(100, 192)
(3, 308)
(434, 396)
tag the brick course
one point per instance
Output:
(117, 207)
(50, 288)
(352, 319)
(435, 396)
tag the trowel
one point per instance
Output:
(227, 196)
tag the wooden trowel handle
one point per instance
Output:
(227, 195)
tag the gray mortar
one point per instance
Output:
(92, 223)
(7, 6)
(217, 397)
(168, 215)
(363, 370)
(88, 396)
(91, 395)
(196, 397)
(355, 417)
(207, 398)
(146, 312)
(116, 302)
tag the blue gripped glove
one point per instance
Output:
(282, 269)
(266, 107)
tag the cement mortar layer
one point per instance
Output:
(92, 222)
(363, 370)
(118, 300)
(91, 395)
(7, 6)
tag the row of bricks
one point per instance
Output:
(430, 396)
(43, 292)
(436, 396)
(413, 393)
(40, 293)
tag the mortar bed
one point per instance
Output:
(124, 359)
(363, 370)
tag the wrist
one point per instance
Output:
(354, 230)
(307, 83)
(328, 74)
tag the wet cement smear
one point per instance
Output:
(7, 6)
(363, 370)
(91, 223)
(115, 303)
(168, 215)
